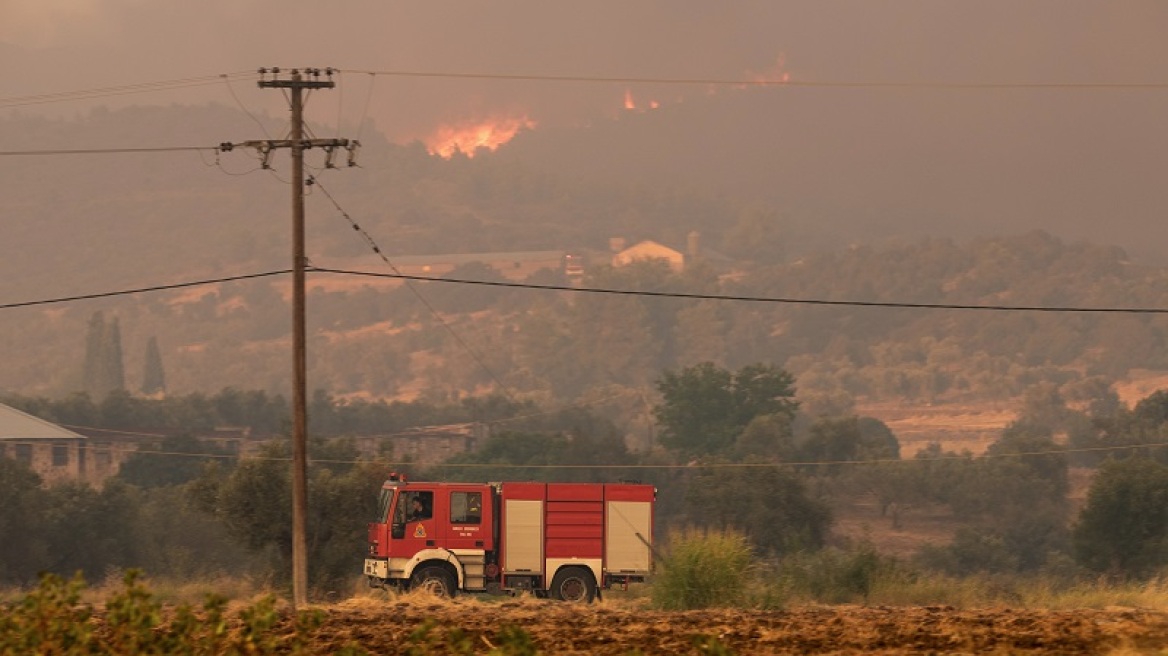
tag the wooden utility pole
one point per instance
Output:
(300, 80)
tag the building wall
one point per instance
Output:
(649, 250)
(68, 460)
(425, 446)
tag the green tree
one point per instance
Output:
(772, 506)
(153, 375)
(532, 456)
(1123, 529)
(92, 377)
(254, 501)
(1035, 448)
(844, 439)
(768, 437)
(705, 408)
(92, 530)
(115, 369)
(171, 465)
(24, 550)
(1016, 516)
(103, 371)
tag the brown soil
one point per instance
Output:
(555, 628)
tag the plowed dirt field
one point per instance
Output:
(392, 627)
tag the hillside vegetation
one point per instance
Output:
(97, 225)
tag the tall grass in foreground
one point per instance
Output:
(54, 619)
(1038, 592)
(191, 592)
(718, 569)
(703, 569)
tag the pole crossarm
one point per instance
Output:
(303, 78)
(272, 144)
(265, 147)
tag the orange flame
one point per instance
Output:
(631, 103)
(467, 137)
(774, 75)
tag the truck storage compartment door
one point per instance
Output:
(629, 534)
(522, 536)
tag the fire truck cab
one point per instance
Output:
(566, 540)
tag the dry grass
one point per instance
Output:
(177, 592)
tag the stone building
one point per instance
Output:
(428, 445)
(55, 453)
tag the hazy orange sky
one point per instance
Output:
(60, 45)
(1080, 163)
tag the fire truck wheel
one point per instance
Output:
(573, 584)
(435, 579)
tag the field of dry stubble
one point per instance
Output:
(438, 626)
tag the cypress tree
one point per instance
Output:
(94, 345)
(153, 376)
(104, 371)
(115, 370)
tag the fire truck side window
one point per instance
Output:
(466, 507)
(419, 506)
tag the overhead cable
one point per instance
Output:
(602, 290)
(766, 82)
(205, 80)
(103, 92)
(690, 466)
(479, 360)
(106, 151)
(141, 290)
(750, 299)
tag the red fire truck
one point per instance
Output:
(566, 540)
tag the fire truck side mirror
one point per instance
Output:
(397, 531)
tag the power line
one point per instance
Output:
(597, 290)
(750, 299)
(231, 90)
(433, 311)
(365, 109)
(103, 92)
(142, 290)
(740, 82)
(207, 80)
(106, 151)
(692, 466)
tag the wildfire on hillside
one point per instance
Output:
(773, 75)
(631, 102)
(468, 136)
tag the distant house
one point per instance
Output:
(427, 445)
(649, 250)
(677, 260)
(56, 453)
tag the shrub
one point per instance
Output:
(836, 576)
(703, 569)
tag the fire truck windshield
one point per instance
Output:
(383, 503)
